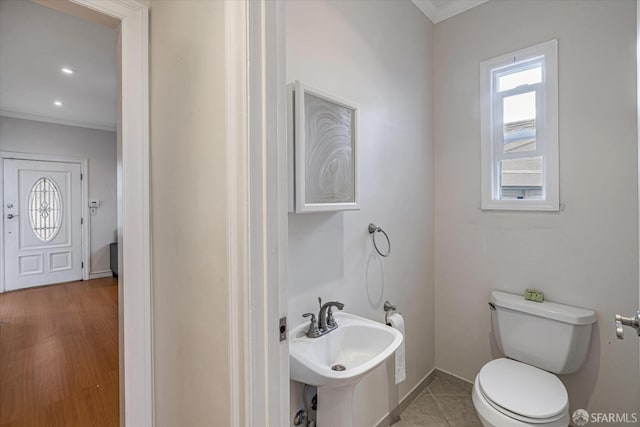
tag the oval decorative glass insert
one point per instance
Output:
(45, 209)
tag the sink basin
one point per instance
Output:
(358, 345)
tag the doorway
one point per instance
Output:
(130, 19)
(58, 137)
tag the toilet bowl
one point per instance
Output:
(507, 393)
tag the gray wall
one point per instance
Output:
(188, 194)
(378, 54)
(99, 146)
(586, 255)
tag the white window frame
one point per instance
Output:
(492, 134)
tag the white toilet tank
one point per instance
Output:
(550, 336)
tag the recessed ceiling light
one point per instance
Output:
(67, 70)
(57, 103)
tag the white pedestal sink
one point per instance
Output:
(358, 345)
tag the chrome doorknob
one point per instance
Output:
(619, 330)
(11, 216)
(633, 322)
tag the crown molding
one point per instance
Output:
(81, 12)
(446, 10)
(33, 117)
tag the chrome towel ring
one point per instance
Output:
(375, 229)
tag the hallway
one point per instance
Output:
(59, 355)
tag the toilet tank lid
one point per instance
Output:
(550, 310)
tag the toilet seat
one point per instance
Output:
(523, 392)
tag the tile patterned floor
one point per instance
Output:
(446, 402)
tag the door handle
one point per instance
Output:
(11, 216)
(633, 321)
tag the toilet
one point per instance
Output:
(539, 340)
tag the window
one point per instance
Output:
(519, 113)
(45, 206)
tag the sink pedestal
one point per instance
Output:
(335, 406)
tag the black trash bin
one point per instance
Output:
(113, 249)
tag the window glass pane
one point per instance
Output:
(45, 209)
(525, 77)
(521, 179)
(519, 123)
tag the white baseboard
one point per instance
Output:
(100, 274)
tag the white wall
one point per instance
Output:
(27, 136)
(377, 54)
(586, 255)
(189, 220)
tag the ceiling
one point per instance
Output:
(36, 42)
(439, 10)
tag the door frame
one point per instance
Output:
(638, 120)
(85, 234)
(134, 291)
(257, 211)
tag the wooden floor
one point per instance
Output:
(59, 355)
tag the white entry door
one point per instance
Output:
(42, 213)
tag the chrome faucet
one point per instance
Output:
(326, 323)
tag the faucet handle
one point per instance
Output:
(313, 331)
